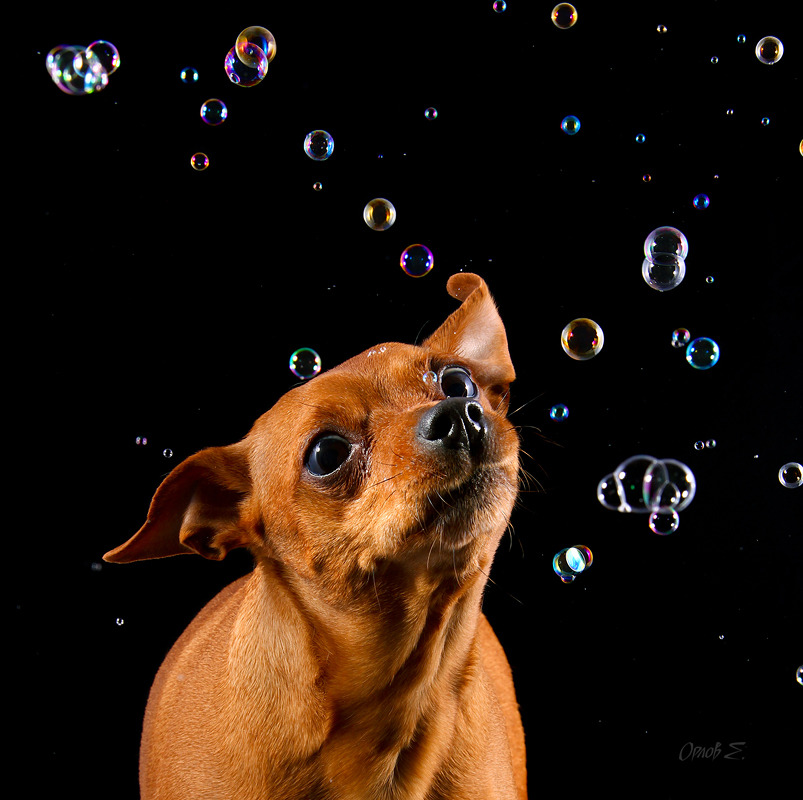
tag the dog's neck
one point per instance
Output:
(376, 673)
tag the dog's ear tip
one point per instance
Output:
(462, 284)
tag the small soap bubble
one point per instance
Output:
(214, 111)
(667, 240)
(668, 485)
(701, 201)
(246, 65)
(641, 138)
(417, 260)
(791, 475)
(570, 125)
(379, 214)
(564, 15)
(571, 561)
(559, 412)
(305, 363)
(646, 177)
(714, 60)
(710, 443)
(702, 353)
(710, 279)
(499, 6)
(120, 622)
(664, 522)
(662, 29)
(765, 121)
(680, 337)
(317, 186)
(741, 38)
(799, 674)
(106, 53)
(663, 272)
(582, 339)
(430, 378)
(142, 440)
(769, 50)
(262, 38)
(199, 161)
(167, 452)
(319, 145)
(431, 113)
(699, 445)
(189, 75)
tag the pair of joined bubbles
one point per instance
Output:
(642, 484)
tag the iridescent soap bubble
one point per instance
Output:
(499, 6)
(379, 214)
(663, 272)
(214, 111)
(664, 522)
(259, 36)
(199, 161)
(571, 561)
(668, 485)
(559, 412)
(701, 201)
(564, 15)
(570, 125)
(680, 337)
(244, 72)
(189, 75)
(702, 353)
(666, 240)
(791, 475)
(319, 145)
(74, 71)
(582, 339)
(305, 363)
(431, 113)
(417, 260)
(769, 50)
(641, 138)
(106, 53)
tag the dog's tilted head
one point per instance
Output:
(400, 455)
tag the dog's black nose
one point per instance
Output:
(457, 422)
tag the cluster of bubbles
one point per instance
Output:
(701, 353)
(319, 145)
(564, 15)
(571, 561)
(82, 70)
(791, 475)
(417, 260)
(642, 484)
(379, 214)
(664, 264)
(305, 363)
(246, 63)
(582, 339)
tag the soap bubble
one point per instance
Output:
(769, 50)
(666, 240)
(680, 337)
(189, 75)
(106, 53)
(564, 15)
(702, 353)
(663, 273)
(431, 113)
(570, 125)
(571, 561)
(305, 363)
(664, 522)
(641, 138)
(379, 214)
(559, 412)
(319, 145)
(199, 161)
(499, 6)
(668, 485)
(701, 201)
(417, 260)
(791, 475)
(75, 71)
(255, 35)
(246, 65)
(582, 339)
(214, 112)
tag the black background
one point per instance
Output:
(161, 302)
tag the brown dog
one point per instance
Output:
(354, 661)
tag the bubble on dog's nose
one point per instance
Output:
(305, 363)
(379, 214)
(582, 339)
(571, 561)
(214, 112)
(319, 145)
(416, 260)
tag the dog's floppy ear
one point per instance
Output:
(475, 332)
(199, 508)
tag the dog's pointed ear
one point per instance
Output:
(475, 332)
(200, 507)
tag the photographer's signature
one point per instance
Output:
(728, 752)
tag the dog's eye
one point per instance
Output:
(456, 382)
(327, 454)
